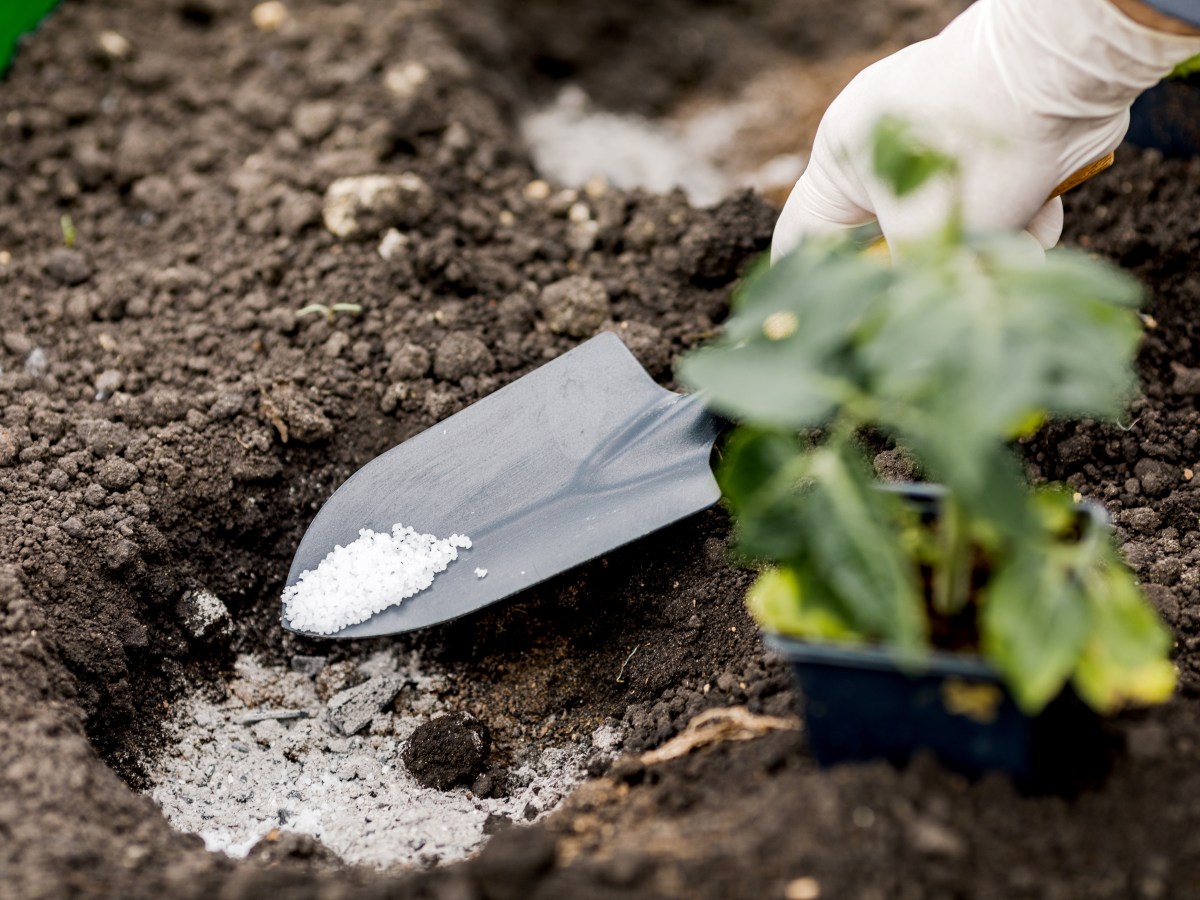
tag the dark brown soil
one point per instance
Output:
(145, 374)
(448, 751)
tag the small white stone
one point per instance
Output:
(537, 190)
(269, 16)
(405, 79)
(806, 888)
(562, 201)
(481, 573)
(393, 242)
(579, 213)
(36, 363)
(114, 45)
(581, 236)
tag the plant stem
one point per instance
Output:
(952, 576)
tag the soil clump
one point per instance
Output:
(448, 750)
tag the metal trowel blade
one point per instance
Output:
(571, 461)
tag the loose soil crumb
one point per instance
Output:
(272, 756)
(447, 751)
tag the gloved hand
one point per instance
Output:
(1022, 92)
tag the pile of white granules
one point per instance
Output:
(367, 576)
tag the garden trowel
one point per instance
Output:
(575, 459)
(571, 461)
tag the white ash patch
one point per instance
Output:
(37, 364)
(701, 149)
(608, 738)
(572, 142)
(242, 767)
(367, 576)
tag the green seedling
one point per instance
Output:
(69, 234)
(963, 345)
(330, 312)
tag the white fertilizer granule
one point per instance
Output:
(481, 573)
(367, 576)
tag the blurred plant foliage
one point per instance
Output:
(962, 345)
(1186, 68)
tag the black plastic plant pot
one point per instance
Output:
(860, 704)
(1167, 118)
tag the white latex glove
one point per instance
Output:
(1022, 92)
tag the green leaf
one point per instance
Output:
(976, 341)
(1035, 623)
(786, 358)
(1125, 659)
(16, 18)
(1066, 608)
(852, 551)
(987, 479)
(903, 161)
(1186, 68)
(758, 476)
(820, 512)
(766, 385)
(778, 604)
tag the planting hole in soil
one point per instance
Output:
(379, 771)
(170, 423)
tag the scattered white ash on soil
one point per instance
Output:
(275, 755)
(572, 142)
(366, 576)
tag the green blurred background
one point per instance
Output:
(16, 18)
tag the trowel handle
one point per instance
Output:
(1081, 175)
